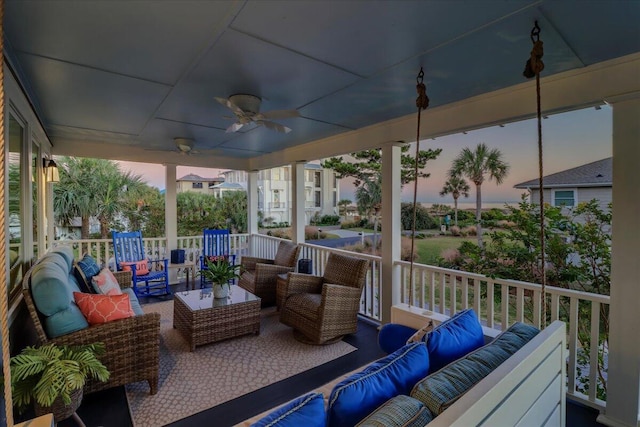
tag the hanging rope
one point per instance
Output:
(422, 102)
(4, 303)
(533, 68)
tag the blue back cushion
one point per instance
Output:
(393, 336)
(307, 411)
(354, 398)
(89, 266)
(454, 338)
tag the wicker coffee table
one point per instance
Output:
(202, 319)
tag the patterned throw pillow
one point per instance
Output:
(142, 267)
(89, 266)
(105, 283)
(103, 308)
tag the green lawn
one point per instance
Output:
(429, 249)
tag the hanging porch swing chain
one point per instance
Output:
(533, 68)
(422, 102)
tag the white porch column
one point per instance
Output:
(171, 216)
(252, 207)
(297, 202)
(623, 385)
(391, 236)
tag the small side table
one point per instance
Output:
(189, 267)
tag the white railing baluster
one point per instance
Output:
(555, 307)
(443, 292)
(520, 305)
(477, 297)
(573, 345)
(504, 306)
(432, 290)
(593, 351)
(536, 309)
(453, 282)
(491, 304)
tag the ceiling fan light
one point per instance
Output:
(184, 144)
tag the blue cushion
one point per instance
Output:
(307, 411)
(440, 390)
(454, 338)
(65, 321)
(354, 398)
(393, 336)
(135, 304)
(66, 252)
(50, 288)
(89, 267)
(400, 411)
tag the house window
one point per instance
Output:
(335, 199)
(317, 180)
(275, 174)
(318, 199)
(565, 198)
(335, 181)
(196, 185)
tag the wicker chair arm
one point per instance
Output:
(269, 271)
(124, 278)
(299, 283)
(337, 298)
(249, 262)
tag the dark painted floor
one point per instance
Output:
(109, 408)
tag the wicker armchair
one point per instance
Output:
(260, 274)
(323, 309)
(132, 345)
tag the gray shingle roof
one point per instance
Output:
(596, 174)
(198, 178)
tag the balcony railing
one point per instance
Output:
(498, 302)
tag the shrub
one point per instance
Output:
(311, 233)
(455, 230)
(349, 224)
(470, 230)
(450, 256)
(424, 221)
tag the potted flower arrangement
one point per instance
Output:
(220, 271)
(52, 377)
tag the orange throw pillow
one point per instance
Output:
(142, 267)
(103, 308)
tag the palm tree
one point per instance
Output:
(476, 165)
(456, 186)
(369, 200)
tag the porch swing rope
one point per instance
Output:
(422, 102)
(4, 303)
(533, 68)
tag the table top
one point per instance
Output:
(182, 264)
(202, 299)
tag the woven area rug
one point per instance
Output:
(215, 373)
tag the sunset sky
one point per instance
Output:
(569, 139)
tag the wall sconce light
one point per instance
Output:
(50, 170)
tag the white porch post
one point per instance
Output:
(623, 384)
(171, 216)
(252, 207)
(298, 202)
(391, 237)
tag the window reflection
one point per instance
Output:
(16, 257)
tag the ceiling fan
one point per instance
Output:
(185, 145)
(247, 110)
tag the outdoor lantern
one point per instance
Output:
(51, 170)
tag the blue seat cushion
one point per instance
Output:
(454, 338)
(400, 411)
(441, 389)
(65, 321)
(307, 411)
(393, 336)
(357, 396)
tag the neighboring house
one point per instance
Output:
(196, 183)
(572, 186)
(275, 191)
(73, 231)
(225, 187)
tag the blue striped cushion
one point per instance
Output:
(441, 389)
(401, 411)
(307, 411)
(357, 396)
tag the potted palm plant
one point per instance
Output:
(52, 377)
(220, 271)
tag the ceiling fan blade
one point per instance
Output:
(279, 114)
(274, 126)
(230, 105)
(234, 127)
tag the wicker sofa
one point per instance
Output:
(132, 344)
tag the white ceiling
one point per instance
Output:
(140, 73)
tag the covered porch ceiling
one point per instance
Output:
(121, 80)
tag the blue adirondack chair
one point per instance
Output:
(216, 243)
(150, 277)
